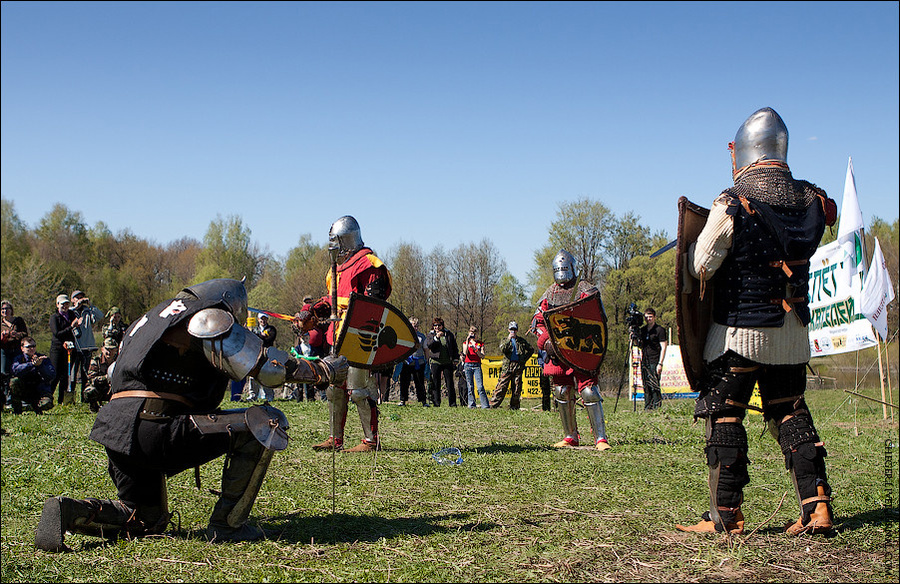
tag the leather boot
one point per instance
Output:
(96, 517)
(820, 519)
(733, 519)
(567, 442)
(364, 446)
(329, 444)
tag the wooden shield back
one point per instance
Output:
(578, 333)
(693, 315)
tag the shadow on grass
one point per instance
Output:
(872, 518)
(488, 449)
(344, 528)
(331, 529)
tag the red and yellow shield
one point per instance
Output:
(578, 333)
(374, 334)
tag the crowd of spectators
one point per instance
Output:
(439, 369)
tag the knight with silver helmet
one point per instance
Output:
(569, 383)
(172, 373)
(753, 253)
(355, 269)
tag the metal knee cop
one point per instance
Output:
(257, 433)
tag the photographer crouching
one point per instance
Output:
(652, 340)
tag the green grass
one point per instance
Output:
(515, 509)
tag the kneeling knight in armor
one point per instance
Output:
(173, 370)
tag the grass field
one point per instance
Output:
(515, 510)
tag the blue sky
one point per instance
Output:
(431, 123)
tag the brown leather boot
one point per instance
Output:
(363, 447)
(820, 520)
(329, 444)
(733, 519)
(566, 443)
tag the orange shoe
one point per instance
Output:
(566, 443)
(820, 520)
(602, 444)
(329, 444)
(363, 447)
(734, 524)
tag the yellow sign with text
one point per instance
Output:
(531, 379)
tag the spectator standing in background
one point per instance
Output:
(473, 352)
(516, 353)
(63, 323)
(414, 368)
(444, 360)
(85, 344)
(653, 342)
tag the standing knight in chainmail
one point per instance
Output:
(357, 270)
(163, 417)
(568, 288)
(753, 256)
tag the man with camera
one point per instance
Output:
(85, 344)
(32, 373)
(652, 340)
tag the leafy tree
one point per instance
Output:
(512, 304)
(63, 245)
(304, 274)
(32, 288)
(408, 266)
(229, 252)
(14, 237)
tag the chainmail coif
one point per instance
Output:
(775, 186)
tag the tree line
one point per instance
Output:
(469, 284)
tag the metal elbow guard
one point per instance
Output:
(272, 372)
(231, 349)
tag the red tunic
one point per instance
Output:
(354, 275)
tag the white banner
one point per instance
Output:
(878, 291)
(837, 324)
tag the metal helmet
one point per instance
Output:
(564, 267)
(763, 136)
(231, 293)
(344, 238)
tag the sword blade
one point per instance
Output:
(664, 248)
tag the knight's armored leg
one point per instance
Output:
(593, 403)
(338, 399)
(362, 388)
(242, 474)
(724, 395)
(726, 456)
(804, 457)
(565, 398)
